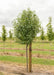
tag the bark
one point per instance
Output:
(4, 45)
(30, 57)
(10, 43)
(27, 57)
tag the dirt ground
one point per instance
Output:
(8, 68)
(33, 55)
(25, 49)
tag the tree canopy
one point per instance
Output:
(3, 33)
(26, 26)
(50, 30)
(42, 34)
(10, 34)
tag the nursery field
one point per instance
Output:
(15, 53)
(41, 51)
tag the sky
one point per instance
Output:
(9, 10)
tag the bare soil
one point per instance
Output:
(7, 68)
(25, 49)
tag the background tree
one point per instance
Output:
(42, 34)
(26, 26)
(10, 34)
(50, 30)
(3, 34)
(53, 35)
(10, 37)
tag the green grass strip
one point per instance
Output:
(23, 60)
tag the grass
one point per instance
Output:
(19, 51)
(1, 73)
(43, 61)
(35, 45)
(23, 60)
(13, 59)
(43, 52)
(48, 46)
(33, 52)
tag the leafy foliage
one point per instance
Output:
(26, 26)
(10, 34)
(3, 33)
(53, 35)
(42, 34)
(50, 30)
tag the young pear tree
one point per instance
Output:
(53, 35)
(50, 30)
(42, 34)
(3, 33)
(26, 27)
(10, 37)
(10, 34)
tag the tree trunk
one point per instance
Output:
(10, 44)
(4, 45)
(27, 56)
(30, 57)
